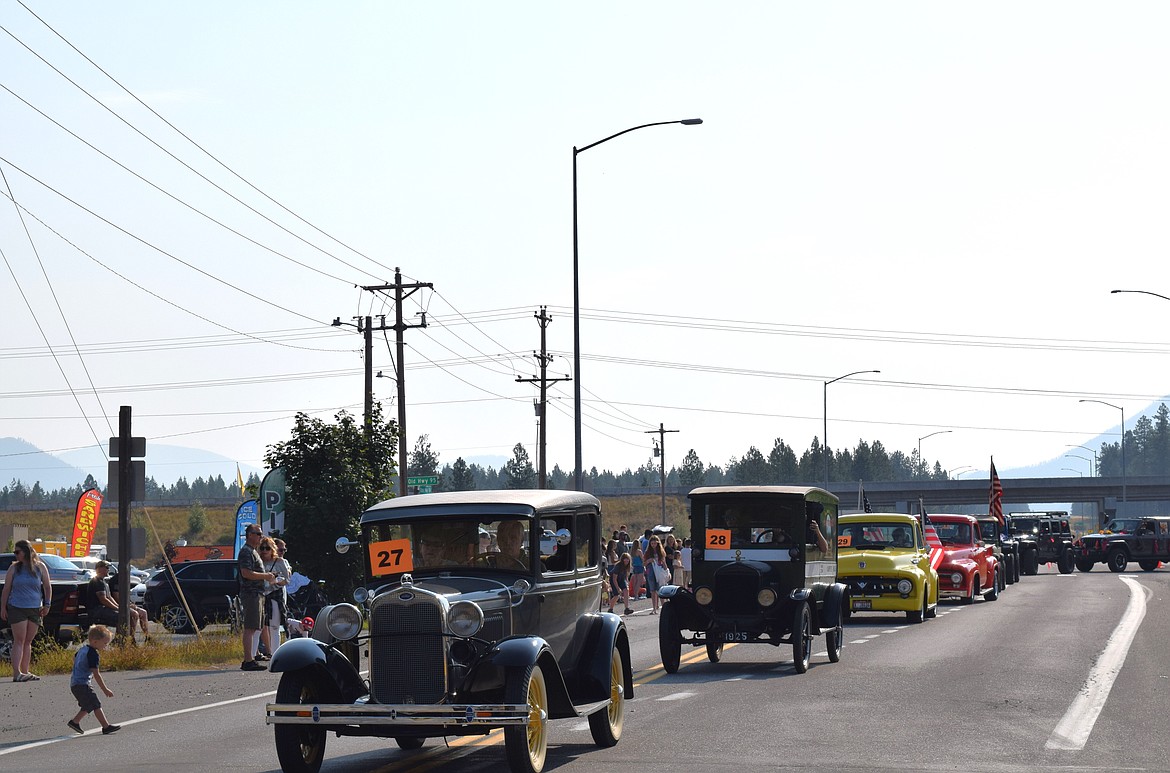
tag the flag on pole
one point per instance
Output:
(932, 540)
(240, 480)
(995, 495)
(864, 499)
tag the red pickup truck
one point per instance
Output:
(969, 567)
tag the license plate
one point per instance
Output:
(862, 604)
(735, 636)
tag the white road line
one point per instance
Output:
(859, 641)
(124, 723)
(678, 696)
(1072, 732)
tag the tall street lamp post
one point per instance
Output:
(579, 470)
(825, 416)
(924, 437)
(1118, 407)
(1092, 467)
(1143, 292)
(1091, 451)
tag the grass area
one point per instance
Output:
(212, 650)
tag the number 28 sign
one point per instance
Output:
(718, 539)
(392, 556)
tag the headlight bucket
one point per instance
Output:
(465, 618)
(344, 622)
(704, 596)
(766, 597)
(957, 578)
(905, 586)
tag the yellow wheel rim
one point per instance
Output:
(617, 694)
(537, 717)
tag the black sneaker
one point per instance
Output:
(261, 657)
(251, 665)
(75, 727)
(111, 729)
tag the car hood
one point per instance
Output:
(486, 591)
(873, 561)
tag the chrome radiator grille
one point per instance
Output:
(408, 654)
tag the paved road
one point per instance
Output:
(1019, 684)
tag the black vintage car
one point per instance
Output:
(764, 570)
(1145, 540)
(482, 614)
(1004, 544)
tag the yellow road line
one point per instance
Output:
(659, 671)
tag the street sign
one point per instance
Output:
(422, 480)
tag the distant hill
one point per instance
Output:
(21, 460)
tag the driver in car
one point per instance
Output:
(510, 539)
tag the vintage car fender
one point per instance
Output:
(830, 614)
(297, 654)
(524, 651)
(601, 634)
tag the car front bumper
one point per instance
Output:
(403, 715)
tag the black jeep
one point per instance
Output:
(1004, 544)
(1146, 540)
(1043, 538)
(765, 571)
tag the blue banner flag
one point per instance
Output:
(247, 513)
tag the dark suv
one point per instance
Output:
(210, 588)
(1005, 545)
(765, 571)
(1145, 540)
(1044, 538)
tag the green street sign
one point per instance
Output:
(422, 480)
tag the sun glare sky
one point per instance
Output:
(945, 192)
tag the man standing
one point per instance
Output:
(252, 579)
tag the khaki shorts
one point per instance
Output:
(21, 614)
(253, 605)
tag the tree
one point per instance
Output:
(753, 469)
(691, 472)
(518, 471)
(462, 478)
(196, 519)
(423, 460)
(782, 460)
(332, 473)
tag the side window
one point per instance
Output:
(583, 539)
(1165, 527)
(553, 557)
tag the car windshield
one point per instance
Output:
(875, 535)
(1025, 525)
(953, 533)
(989, 529)
(1122, 525)
(441, 545)
(755, 524)
(54, 561)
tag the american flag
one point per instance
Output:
(865, 500)
(932, 540)
(995, 506)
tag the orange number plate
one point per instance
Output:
(391, 557)
(718, 539)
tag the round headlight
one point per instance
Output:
(957, 578)
(360, 594)
(766, 597)
(904, 587)
(344, 621)
(465, 618)
(704, 596)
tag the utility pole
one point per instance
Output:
(401, 292)
(660, 452)
(544, 358)
(366, 328)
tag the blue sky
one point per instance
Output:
(942, 192)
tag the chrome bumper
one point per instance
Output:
(407, 715)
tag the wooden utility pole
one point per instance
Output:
(544, 358)
(660, 451)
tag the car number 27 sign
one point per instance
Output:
(391, 556)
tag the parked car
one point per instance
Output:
(65, 609)
(60, 569)
(460, 640)
(884, 561)
(764, 570)
(1044, 538)
(210, 588)
(1145, 540)
(968, 569)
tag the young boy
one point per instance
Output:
(85, 672)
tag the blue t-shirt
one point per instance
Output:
(25, 592)
(84, 662)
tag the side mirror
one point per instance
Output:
(564, 537)
(343, 544)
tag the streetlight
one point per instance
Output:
(1143, 292)
(1070, 469)
(826, 416)
(1091, 451)
(964, 467)
(924, 437)
(1092, 467)
(1118, 407)
(579, 474)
